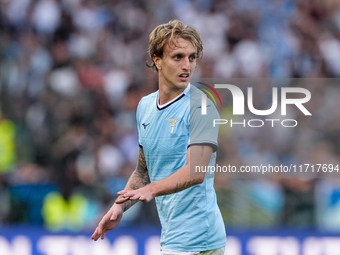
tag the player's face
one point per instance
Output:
(177, 65)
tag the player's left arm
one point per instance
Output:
(198, 155)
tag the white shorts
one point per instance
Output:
(219, 251)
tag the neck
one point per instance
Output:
(167, 92)
(166, 95)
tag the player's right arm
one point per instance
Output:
(138, 179)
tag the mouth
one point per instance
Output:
(184, 76)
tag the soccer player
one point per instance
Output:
(174, 137)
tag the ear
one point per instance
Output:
(158, 62)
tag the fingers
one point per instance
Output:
(139, 194)
(122, 200)
(121, 192)
(135, 197)
(104, 233)
(108, 222)
(96, 234)
(126, 195)
(123, 197)
(142, 199)
(99, 232)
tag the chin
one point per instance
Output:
(182, 85)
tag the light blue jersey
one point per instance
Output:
(190, 219)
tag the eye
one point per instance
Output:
(192, 58)
(177, 57)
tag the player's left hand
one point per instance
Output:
(144, 194)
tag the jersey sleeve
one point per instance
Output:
(138, 118)
(202, 130)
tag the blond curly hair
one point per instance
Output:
(167, 33)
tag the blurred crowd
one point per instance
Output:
(73, 71)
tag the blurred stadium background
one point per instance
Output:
(71, 75)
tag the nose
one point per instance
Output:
(186, 64)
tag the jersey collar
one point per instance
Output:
(163, 106)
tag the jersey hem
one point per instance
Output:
(195, 249)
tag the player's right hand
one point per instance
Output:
(109, 221)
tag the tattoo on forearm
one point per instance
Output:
(185, 185)
(141, 160)
(141, 169)
(129, 203)
(139, 178)
(134, 186)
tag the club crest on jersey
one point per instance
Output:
(173, 125)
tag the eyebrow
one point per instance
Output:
(173, 53)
